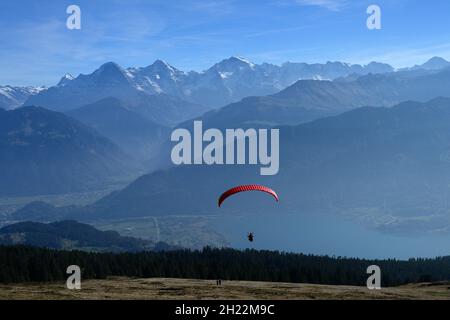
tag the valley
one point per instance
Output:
(8, 205)
(184, 231)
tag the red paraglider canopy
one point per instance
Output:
(249, 187)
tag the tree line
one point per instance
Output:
(32, 264)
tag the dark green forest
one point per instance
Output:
(30, 264)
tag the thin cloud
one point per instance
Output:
(401, 57)
(333, 5)
(215, 8)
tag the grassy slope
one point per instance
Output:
(125, 288)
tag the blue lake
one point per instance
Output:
(325, 235)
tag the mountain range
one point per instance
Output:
(111, 81)
(434, 63)
(119, 122)
(136, 113)
(168, 96)
(46, 152)
(227, 81)
(308, 100)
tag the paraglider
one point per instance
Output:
(250, 187)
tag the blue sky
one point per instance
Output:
(36, 48)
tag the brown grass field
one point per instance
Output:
(158, 288)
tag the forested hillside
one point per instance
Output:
(24, 264)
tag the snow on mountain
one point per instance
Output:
(110, 80)
(160, 77)
(65, 79)
(232, 65)
(139, 89)
(225, 82)
(12, 97)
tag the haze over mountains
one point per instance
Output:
(45, 152)
(308, 100)
(388, 166)
(138, 136)
(134, 107)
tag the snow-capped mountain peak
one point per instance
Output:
(233, 64)
(244, 60)
(161, 69)
(65, 79)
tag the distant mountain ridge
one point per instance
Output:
(434, 63)
(227, 81)
(111, 81)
